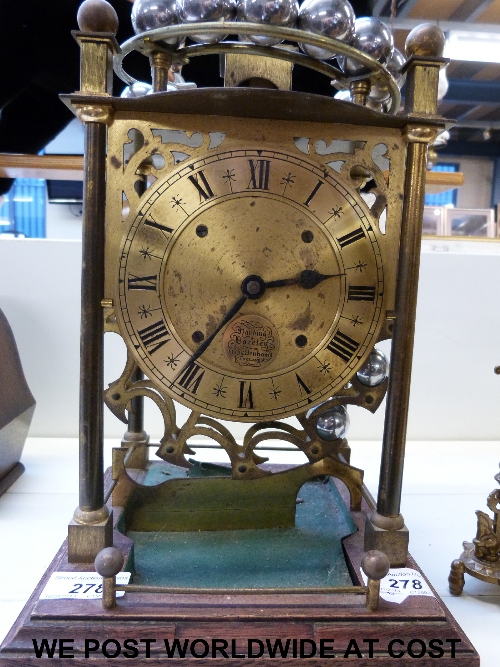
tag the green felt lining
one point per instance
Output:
(308, 554)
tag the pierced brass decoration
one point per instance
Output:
(188, 195)
(324, 456)
(216, 164)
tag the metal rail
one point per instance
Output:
(180, 590)
(154, 41)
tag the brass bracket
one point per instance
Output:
(419, 134)
(95, 114)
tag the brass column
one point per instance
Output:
(385, 529)
(91, 528)
(92, 325)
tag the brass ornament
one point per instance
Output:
(481, 557)
(425, 40)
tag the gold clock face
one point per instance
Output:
(250, 285)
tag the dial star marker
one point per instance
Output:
(275, 391)
(173, 361)
(335, 212)
(229, 177)
(324, 367)
(359, 266)
(177, 202)
(353, 320)
(145, 253)
(287, 180)
(144, 312)
(220, 390)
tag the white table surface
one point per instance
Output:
(445, 483)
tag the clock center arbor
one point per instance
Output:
(251, 245)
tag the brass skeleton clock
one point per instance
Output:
(251, 246)
(257, 244)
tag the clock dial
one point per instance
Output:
(250, 284)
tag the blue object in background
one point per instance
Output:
(443, 198)
(23, 211)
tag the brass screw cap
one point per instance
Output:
(375, 564)
(109, 562)
(425, 40)
(97, 16)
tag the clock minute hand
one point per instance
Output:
(253, 287)
(227, 317)
(307, 279)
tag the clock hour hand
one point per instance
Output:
(227, 317)
(307, 279)
(255, 286)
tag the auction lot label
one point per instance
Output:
(401, 583)
(79, 585)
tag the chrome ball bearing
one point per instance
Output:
(151, 14)
(343, 95)
(280, 13)
(136, 89)
(203, 11)
(374, 370)
(380, 90)
(333, 423)
(328, 18)
(373, 38)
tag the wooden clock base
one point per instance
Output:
(236, 629)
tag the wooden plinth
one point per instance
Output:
(329, 625)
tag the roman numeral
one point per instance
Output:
(356, 235)
(246, 398)
(144, 282)
(343, 346)
(154, 336)
(313, 193)
(304, 389)
(151, 222)
(259, 174)
(204, 189)
(191, 377)
(360, 293)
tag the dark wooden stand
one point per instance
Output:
(16, 408)
(326, 622)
